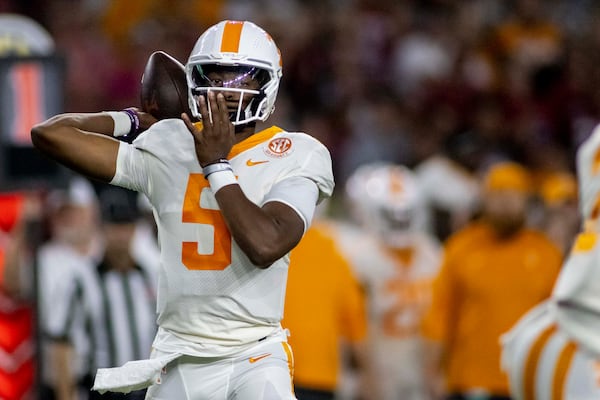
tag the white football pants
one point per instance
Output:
(264, 372)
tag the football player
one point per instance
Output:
(554, 351)
(396, 263)
(230, 203)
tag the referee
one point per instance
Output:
(127, 290)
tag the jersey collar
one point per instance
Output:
(253, 140)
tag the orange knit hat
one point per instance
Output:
(508, 176)
(558, 188)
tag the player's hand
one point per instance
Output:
(215, 136)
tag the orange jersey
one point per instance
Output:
(323, 303)
(485, 285)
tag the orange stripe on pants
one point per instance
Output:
(532, 362)
(562, 368)
(290, 356)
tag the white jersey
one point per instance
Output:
(543, 363)
(398, 293)
(461, 190)
(211, 299)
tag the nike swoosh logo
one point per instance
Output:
(258, 358)
(251, 163)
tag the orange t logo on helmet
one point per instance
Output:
(232, 33)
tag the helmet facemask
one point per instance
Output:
(398, 224)
(248, 83)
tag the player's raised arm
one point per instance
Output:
(84, 142)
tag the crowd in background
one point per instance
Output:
(446, 88)
(375, 80)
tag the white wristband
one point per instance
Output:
(221, 178)
(122, 123)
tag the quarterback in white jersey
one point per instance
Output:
(229, 203)
(396, 260)
(554, 352)
(198, 255)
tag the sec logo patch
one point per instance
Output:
(279, 147)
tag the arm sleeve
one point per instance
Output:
(131, 171)
(317, 167)
(297, 192)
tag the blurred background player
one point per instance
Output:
(325, 313)
(395, 260)
(494, 270)
(554, 351)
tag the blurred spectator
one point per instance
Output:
(526, 41)
(396, 263)
(494, 270)
(376, 133)
(323, 292)
(424, 55)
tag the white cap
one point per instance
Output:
(79, 192)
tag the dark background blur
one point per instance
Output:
(481, 80)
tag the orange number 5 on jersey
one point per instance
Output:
(194, 213)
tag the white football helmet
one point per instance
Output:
(245, 48)
(386, 199)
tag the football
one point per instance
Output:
(164, 87)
